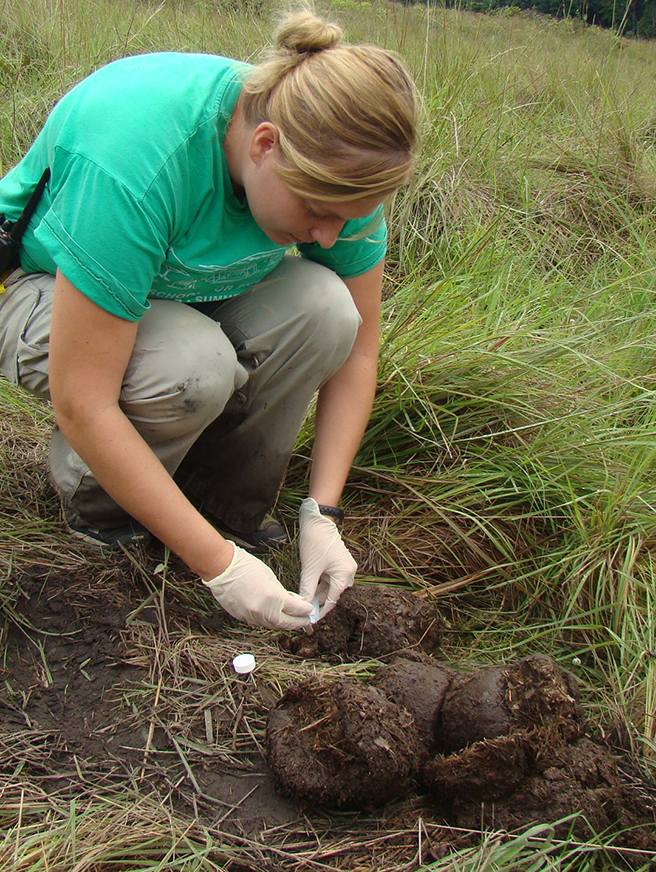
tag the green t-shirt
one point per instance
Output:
(140, 204)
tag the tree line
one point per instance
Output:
(628, 17)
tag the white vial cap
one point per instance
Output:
(243, 663)
(316, 608)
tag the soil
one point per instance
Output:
(66, 715)
(60, 678)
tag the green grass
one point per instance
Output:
(508, 470)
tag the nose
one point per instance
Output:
(326, 231)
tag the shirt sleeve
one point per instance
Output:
(360, 246)
(103, 238)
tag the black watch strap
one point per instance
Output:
(333, 512)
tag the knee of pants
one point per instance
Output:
(178, 382)
(331, 315)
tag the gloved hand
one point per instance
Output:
(250, 592)
(327, 567)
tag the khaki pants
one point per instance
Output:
(219, 391)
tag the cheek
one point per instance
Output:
(288, 214)
(265, 210)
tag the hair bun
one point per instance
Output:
(303, 32)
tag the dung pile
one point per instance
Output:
(502, 746)
(372, 621)
(343, 745)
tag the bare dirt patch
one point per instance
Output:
(79, 673)
(62, 663)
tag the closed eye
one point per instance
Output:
(318, 212)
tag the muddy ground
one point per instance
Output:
(78, 674)
(117, 682)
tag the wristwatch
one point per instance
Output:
(333, 512)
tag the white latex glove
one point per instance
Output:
(250, 592)
(324, 557)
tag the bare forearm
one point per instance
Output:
(345, 401)
(343, 410)
(129, 471)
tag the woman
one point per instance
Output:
(155, 306)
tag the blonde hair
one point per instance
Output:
(346, 114)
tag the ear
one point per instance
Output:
(264, 140)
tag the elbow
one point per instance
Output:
(75, 415)
(69, 416)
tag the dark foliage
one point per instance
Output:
(628, 17)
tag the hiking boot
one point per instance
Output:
(118, 537)
(270, 534)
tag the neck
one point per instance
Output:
(234, 145)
